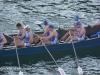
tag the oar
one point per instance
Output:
(62, 72)
(59, 69)
(80, 71)
(20, 72)
(38, 22)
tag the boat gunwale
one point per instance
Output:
(8, 49)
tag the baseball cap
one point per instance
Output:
(27, 26)
(78, 23)
(50, 26)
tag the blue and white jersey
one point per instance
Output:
(80, 37)
(27, 37)
(21, 32)
(54, 39)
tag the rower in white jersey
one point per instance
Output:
(21, 34)
(28, 40)
(76, 18)
(79, 34)
(45, 34)
(52, 38)
(2, 40)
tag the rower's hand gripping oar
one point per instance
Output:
(20, 72)
(59, 69)
(80, 71)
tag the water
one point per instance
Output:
(58, 12)
(89, 64)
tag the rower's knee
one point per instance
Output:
(40, 43)
(36, 40)
(19, 44)
(48, 43)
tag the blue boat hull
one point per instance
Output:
(35, 54)
(83, 46)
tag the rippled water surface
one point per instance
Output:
(58, 12)
(90, 66)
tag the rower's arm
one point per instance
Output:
(23, 35)
(31, 38)
(97, 24)
(81, 33)
(4, 40)
(46, 31)
(49, 37)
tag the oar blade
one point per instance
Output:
(20, 73)
(80, 71)
(61, 71)
(38, 22)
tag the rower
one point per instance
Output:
(28, 40)
(45, 34)
(79, 34)
(76, 18)
(52, 38)
(97, 24)
(21, 34)
(2, 41)
(96, 34)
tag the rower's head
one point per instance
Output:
(19, 26)
(78, 24)
(51, 27)
(27, 28)
(45, 22)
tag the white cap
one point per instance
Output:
(27, 26)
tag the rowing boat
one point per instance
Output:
(86, 47)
